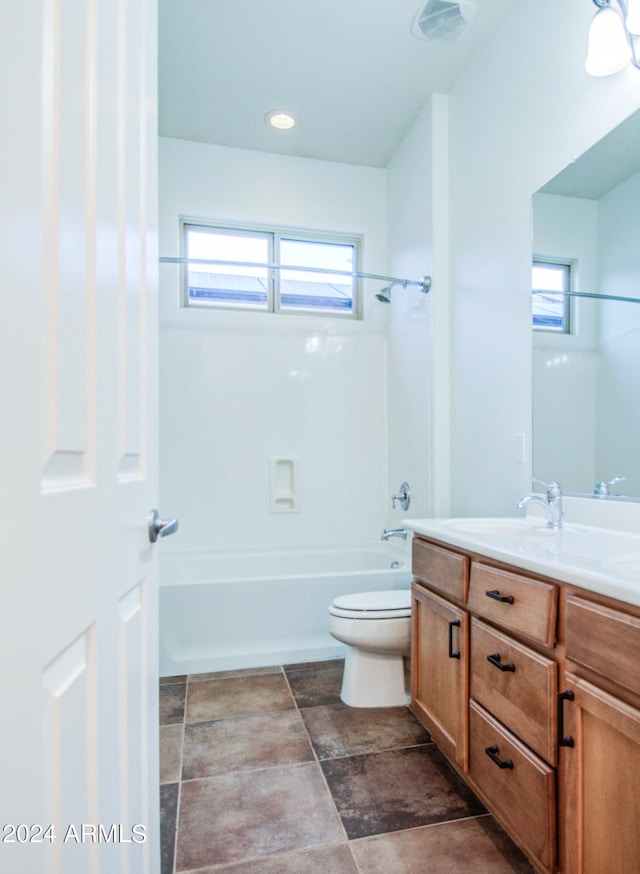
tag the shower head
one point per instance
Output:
(384, 295)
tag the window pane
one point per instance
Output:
(222, 285)
(307, 290)
(550, 311)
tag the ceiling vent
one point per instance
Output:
(443, 20)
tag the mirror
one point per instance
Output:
(586, 383)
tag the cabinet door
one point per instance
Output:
(600, 775)
(439, 685)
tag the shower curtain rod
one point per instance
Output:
(588, 294)
(424, 282)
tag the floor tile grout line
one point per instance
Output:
(180, 781)
(426, 825)
(286, 766)
(239, 716)
(314, 761)
(226, 866)
(178, 800)
(429, 743)
(317, 760)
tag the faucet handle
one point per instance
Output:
(554, 489)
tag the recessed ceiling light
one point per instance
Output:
(280, 119)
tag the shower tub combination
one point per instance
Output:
(223, 610)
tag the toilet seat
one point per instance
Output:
(391, 604)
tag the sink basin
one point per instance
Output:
(625, 564)
(502, 527)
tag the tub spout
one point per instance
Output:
(394, 532)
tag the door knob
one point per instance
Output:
(160, 527)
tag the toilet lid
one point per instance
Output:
(376, 605)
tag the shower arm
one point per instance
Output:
(424, 284)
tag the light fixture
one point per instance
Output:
(612, 35)
(280, 119)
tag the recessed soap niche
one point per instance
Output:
(283, 485)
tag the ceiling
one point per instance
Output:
(349, 70)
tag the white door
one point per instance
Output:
(78, 608)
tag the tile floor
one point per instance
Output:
(267, 772)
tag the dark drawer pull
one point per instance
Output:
(495, 660)
(452, 625)
(495, 594)
(564, 740)
(492, 752)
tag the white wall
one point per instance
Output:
(565, 365)
(239, 388)
(518, 114)
(411, 195)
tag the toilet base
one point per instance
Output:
(373, 679)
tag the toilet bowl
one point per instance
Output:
(376, 628)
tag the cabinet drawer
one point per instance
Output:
(440, 568)
(517, 685)
(605, 640)
(522, 795)
(519, 603)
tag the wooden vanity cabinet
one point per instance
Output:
(531, 688)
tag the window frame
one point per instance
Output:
(274, 234)
(568, 318)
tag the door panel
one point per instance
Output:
(78, 452)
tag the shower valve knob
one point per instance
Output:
(404, 496)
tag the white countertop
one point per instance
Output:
(600, 559)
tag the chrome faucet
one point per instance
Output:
(394, 532)
(552, 504)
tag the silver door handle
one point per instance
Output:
(160, 527)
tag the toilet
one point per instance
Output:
(376, 627)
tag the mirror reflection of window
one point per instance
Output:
(551, 310)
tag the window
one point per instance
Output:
(293, 271)
(551, 310)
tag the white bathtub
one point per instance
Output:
(222, 610)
